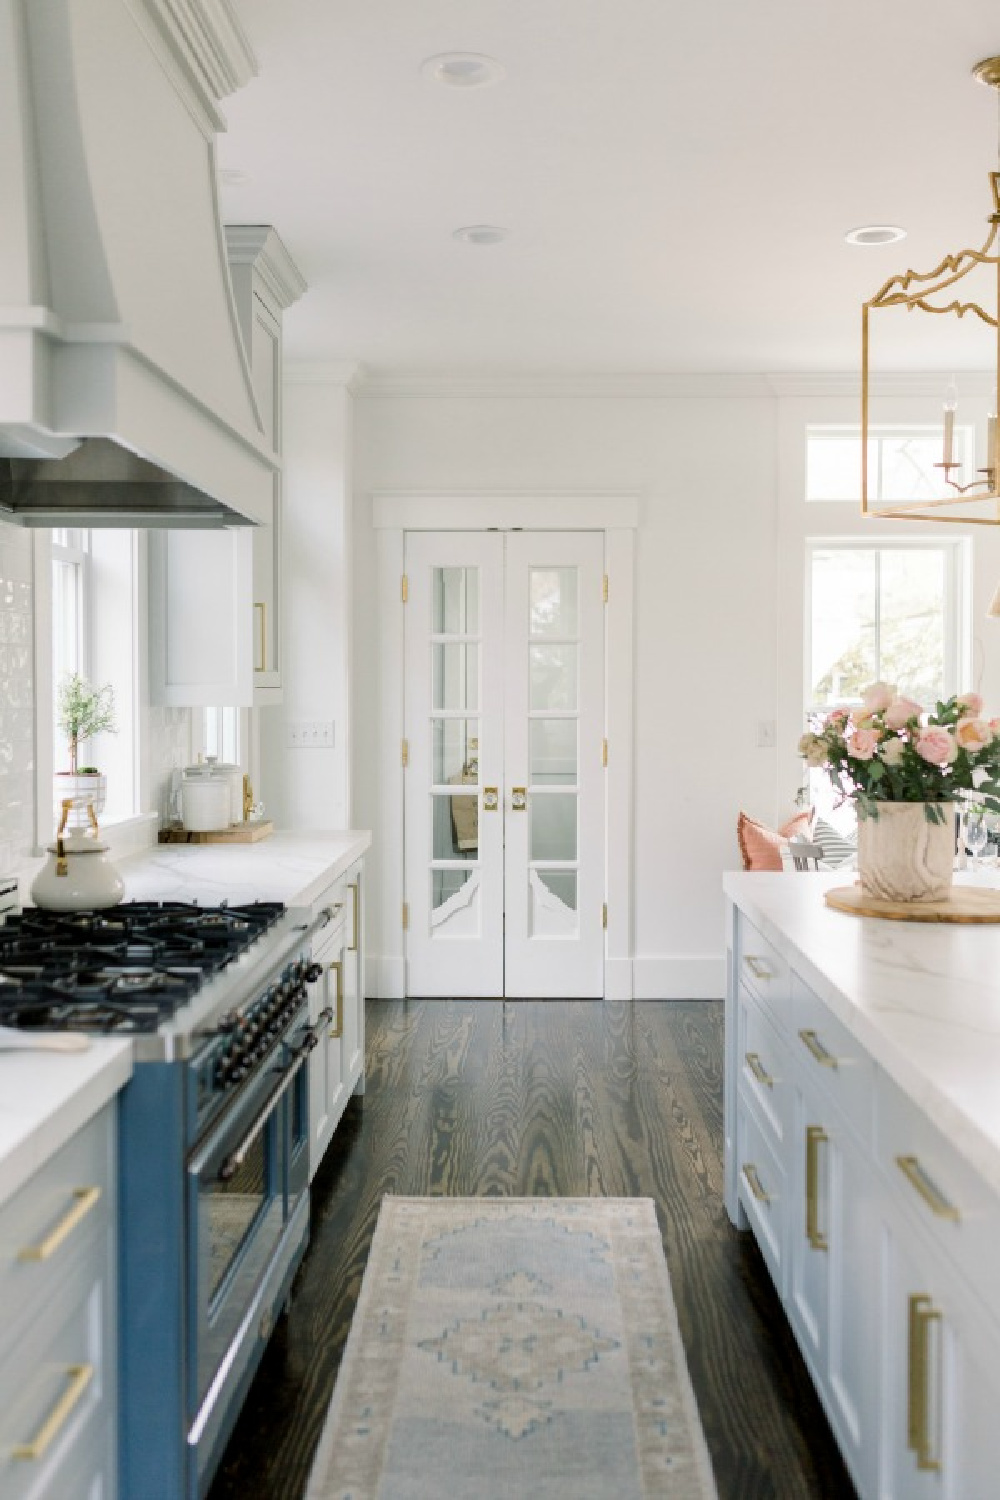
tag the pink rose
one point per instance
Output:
(971, 704)
(936, 746)
(878, 696)
(973, 734)
(900, 712)
(995, 728)
(864, 743)
(836, 717)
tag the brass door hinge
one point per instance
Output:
(404, 589)
(604, 916)
(405, 753)
(406, 916)
(604, 752)
(604, 589)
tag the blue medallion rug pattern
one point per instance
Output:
(507, 1348)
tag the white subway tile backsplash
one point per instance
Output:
(17, 705)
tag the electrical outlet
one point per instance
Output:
(767, 734)
(310, 734)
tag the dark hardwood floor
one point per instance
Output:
(564, 1098)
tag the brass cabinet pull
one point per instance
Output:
(491, 798)
(922, 1313)
(355, 886)
(84, 1200)
(260, 613)
(518, 798)
(815, 1137)
(338, 1029)
(758, 1070)
(917, 1178)
(755, 1184)
(818, 1051)
(758, 968)
(79, 1377)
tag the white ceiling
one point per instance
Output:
(676, 179)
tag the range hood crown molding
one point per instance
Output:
(260, 246)
(204, 47)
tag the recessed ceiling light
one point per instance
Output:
(480, 234)
(233, 176)
(463, 70)
(875, 234)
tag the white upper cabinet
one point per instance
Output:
(216, 597)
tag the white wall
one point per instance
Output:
(311, 788)
(705, 471)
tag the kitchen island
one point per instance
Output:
(862, 1148)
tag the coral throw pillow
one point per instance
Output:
(761, 846)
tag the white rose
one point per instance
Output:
(892, 751)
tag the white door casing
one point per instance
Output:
(614, 514)
(504, 695)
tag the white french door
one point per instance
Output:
(504, 787)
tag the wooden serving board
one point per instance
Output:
(239, 833)
(965, 904)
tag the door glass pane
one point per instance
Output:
(558, 884)
(552, 676)
(912, 611)
(447, 883)
(455, 676)
(454, 826)
(553, 754)
(455, 601)
(553, 602)
(454, 750)
(553, 826)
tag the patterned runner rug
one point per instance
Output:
(523, 1348)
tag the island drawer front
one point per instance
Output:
(830, 1057)
(761, 967)
(762, 1190)
(53, 1404)
(941, 1191)
(65, 1205)
(764, 1070)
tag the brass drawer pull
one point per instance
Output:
(84, 1199)
(818, 1051)
(922, 1314)
(79, 1377)
(758, 968)
(338, 1029)
(759, 1071)
(815, 1137)
(755, 1184)
(917, 1178)
(354, 885)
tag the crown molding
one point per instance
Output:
(260, 246)
(203, 47)
(420, 385)
(880, 383)
(342, 372)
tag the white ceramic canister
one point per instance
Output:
(205, 804)
(234, 777)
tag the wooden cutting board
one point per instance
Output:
(965, 904)
(240, 833)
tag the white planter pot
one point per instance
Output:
(82, 788)
(905, 856)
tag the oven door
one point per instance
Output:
(244, 1183)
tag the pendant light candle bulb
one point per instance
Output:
(950, 405)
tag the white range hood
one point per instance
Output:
(117, 321)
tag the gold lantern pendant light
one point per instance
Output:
(964, 496)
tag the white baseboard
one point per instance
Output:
(687, 977)
(618, 979)
(385, 978)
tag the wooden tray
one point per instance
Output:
(965, 904)
(240, 833)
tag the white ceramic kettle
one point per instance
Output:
(78, 875)
(205, 800)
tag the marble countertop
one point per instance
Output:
(292, 867)
(46, 1097)
(923, 998)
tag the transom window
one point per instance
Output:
(901, 462)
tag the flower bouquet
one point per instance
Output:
(901, 765)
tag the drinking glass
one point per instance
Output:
(976, 833)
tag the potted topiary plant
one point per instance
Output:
(82, 711)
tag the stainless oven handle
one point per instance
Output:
(236, 1158)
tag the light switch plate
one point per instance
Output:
(310, 734)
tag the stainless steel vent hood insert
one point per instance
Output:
(104, 484)
(118, 332)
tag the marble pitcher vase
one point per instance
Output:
(903, 855)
